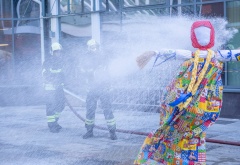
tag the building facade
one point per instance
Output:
(28, 27)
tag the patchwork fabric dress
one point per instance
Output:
(180, 139)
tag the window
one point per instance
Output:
(212, 10)
(233, 68)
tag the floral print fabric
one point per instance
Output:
(180, 139)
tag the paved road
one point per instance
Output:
(25, 139)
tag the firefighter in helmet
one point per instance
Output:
(53, 85)
(98, 89)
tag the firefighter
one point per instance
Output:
(98, 84)
(53, 85)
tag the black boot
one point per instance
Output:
(53, 127)
(89, 134)
(113, 135)
(57, 125)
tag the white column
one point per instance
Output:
(170, 12)
(55, 21)
(179, 8)
(95, 21)
(41, 31)
(137, 2)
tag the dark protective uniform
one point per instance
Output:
(53, 85)
(95, 69)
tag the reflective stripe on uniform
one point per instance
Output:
(57, 115)
(49, 87)
(111, 122)
(51, 119)
(89, 122)
(55, 71)
(44, 70)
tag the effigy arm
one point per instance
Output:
(155, 58)
(228, 55)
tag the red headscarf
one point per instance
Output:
(195, 43)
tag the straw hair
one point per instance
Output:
(144, 58)
(195, 82)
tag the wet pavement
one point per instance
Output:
(25, 139)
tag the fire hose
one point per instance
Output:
(137, 132)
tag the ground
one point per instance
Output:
(25, 138)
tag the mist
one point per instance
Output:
(143, 33)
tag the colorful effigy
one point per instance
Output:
(191, 104)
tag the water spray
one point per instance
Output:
(138, 132)
(141, 33)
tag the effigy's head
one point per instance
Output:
(202, 35)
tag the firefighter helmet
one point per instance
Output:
(56, 46)
(92, 45)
